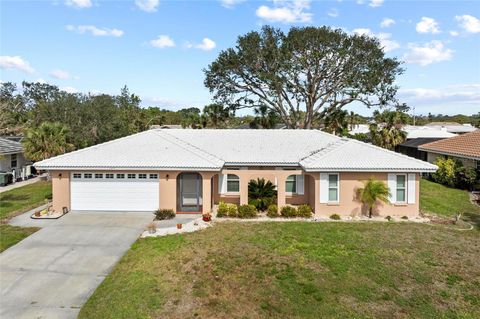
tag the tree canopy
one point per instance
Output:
(307, 72)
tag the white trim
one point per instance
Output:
(227, 192)
(405, 188)
(411, 190)
(338, 188)
(323, 188)
(392, 187)
(300, 187)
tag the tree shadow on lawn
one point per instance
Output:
(472, 218)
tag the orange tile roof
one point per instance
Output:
(466, 145)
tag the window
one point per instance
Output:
(401, 188)
(13, 160)
(120, 175)
(153, 176)
(98, 175)
(333, 187)
(142, 176)
(291, 184)
(87, 175)
(77, 175)
(233, 183)
(131, 176)
(108, 175)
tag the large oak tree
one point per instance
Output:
(303, 75)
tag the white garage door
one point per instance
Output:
(114, 191)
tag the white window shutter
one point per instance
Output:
(323, 188)
(411, 188)
(392, 185)
(222, 183)
(300, 184)
(276, 183)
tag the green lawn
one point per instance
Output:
(10, 235)
(297, 270)
(24, 198)
(444, 201)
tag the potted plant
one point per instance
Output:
(207, 217)
(179, 226)
(37, 214)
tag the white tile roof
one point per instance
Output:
(212, 149)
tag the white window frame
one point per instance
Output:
(338, 188)
(88, 175)
(77, 175)
(131, 176)
(153, 176)
(109, 175)
(237, 179)
(405, 189)
(98, 175)
(294, 185)
(142, 176)
(120, 176)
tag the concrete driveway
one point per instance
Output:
(52, 273)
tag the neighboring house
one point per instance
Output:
(416, 137)
(12, 159)
(192, 170)
(451, 127)
(465, 147)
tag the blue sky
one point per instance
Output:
(159, 48)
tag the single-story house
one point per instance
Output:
(465, 147)
(192, 170)
(12, 159)
(416, 137)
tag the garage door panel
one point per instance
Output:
(116, 195)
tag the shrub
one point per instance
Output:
(305, 211)
(161, 214)
(272, 211)
(335, 217)
(232, 210)
(465, 177)
(404, 217)
(389, 218)
(445, 173)
(247, 211)
(222, 210)
(289, 211)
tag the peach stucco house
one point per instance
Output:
(192, 170)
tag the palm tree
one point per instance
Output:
(47, 140)
(216, 114)
(264, 118)
(387, 130)
(261, 193)
(336, 122)
(372, 192)
(353, 119)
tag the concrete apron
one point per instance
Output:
(53, 272)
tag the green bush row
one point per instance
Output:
(250, 211)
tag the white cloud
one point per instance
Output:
(385, 38)
(453, 99)
(69, 89)
(147, 5)
(41, 81)
(454, 33)
(375, 3)
(387, 22)
(469, 23)
(230, 3)
(333, 13)
(206, 45)
(427, 25)
(60, 74)
(286, 11)
(162, 41)
(15, 62)
(97, 32)
(428, 53)
(79, 3)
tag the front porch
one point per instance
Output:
(198, 192)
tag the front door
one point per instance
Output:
(190, 192)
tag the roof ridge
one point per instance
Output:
(208, 156)
(329, 148)
(93, 146)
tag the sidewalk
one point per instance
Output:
(19, 184)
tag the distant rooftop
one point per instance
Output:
(466, 145)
